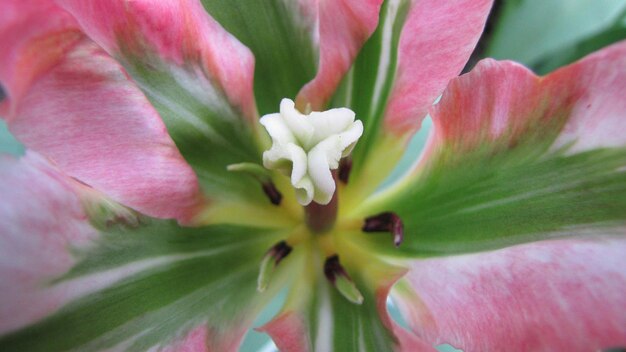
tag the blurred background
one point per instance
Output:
(541, 34)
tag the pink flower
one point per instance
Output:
(141, 218)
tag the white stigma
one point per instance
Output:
(307, 147)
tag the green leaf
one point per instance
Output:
(172, 279)
(281, 41)
(580, 49)
(532, 32)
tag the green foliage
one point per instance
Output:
(548, 34)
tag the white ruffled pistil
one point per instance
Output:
(307, 147)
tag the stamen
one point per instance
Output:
(337, 275)
(263, 176)
(386, 222)
(272, 193)
(270, 261)
(345, 166)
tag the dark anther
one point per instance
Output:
(336, 274)
(615, 349)
(345, 166)
(272, 193)
(332, 268)
(279, 251)
(386, 222)
(270, 261)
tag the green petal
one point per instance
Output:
(516, 158)
(481, 204)
(171, 280)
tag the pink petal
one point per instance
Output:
(77, 106)
(40, 217)
(288, 330)
(408, 342)
(179, 32)
(344, 25)
(497, 97)
(436, 42)
(548, 296)
(195, 341)
(205, 339)
(598, 119)
(23, 25)
(581, 104)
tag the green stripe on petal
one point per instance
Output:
(417, 47)
(367, 86)
(280, 35)
(331, 323)
(317, 317)
(337, 324)
(484, 204)
(516, 158)
(168, 280)
(196, 75)
(206, 130)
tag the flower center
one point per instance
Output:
(307, 147)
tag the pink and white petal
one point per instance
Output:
(179, 32)
(436, 42)
(204, 339)
(579, 106)
(288, 330)
(87, 116)
(344, 26)
(548, 296)
(79, 108)
(195, 341)
(25, 50)
(198, 77)
(598, 118)
(407, 341)
(40, 218)
(498, 99)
